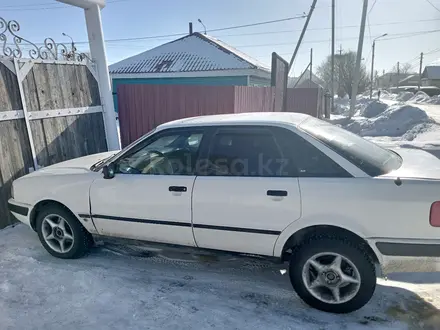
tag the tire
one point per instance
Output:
(74, 248)
(358, 294)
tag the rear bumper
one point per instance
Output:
(409, 249)
(406, 255)
(20, 210)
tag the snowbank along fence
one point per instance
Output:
(50, 108)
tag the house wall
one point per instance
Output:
(431, 82)
(259, 82)
(206, 81)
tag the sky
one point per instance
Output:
(413, 26)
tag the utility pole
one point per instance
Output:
(333, 57)
(372, 69)
(420, 71)
(306, 24)
(372, 64)
(311, 67)
(340, 68)
(398, 75)
(355, 83)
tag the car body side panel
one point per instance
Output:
(236, 214)
(70, 190)
(369, 207)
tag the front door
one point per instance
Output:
(247, 195)
(150, 196)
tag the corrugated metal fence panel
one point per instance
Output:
(253, 99)
(143, 107)
(303, 100)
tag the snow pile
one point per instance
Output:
(362, 99)
(383, 93)
(404, 96)
(420, 97)
(342, 105)
(434, 100)
(372, 109)
(396, 121)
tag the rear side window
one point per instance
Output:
(306, 158)
(245, 152)
(366, 155)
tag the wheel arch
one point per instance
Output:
(38, 207)
(324, 230)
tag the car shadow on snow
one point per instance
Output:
(390, 303)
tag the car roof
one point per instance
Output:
(251, 118)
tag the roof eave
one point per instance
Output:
(214, 73)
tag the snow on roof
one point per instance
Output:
(431, 72)
(195, 52)
(409, 78)
(241, 118)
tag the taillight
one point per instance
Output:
(434, 214)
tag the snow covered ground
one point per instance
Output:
(404, 120)
(118, 287)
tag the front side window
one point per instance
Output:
(166, 153)
(366, 155)
(244, 152)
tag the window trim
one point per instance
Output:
(157, 135)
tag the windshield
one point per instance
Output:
(366, 155)
(99, 165)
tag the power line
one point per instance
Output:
(433, 6)
(260, 23)
(183, 34)
(395, 36)
(433, 51)
(372, 6)
(351, 38)
(242, 34)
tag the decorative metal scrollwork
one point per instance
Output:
(12, 45)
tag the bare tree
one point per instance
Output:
(344, 72)
(403, 68)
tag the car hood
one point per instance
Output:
(73, 166)
(417, 164)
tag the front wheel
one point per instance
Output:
(61, 234)
(332, 275)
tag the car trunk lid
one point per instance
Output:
(417, 164)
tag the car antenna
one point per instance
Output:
(398, 181)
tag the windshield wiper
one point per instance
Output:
(99, 163)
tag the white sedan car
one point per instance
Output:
(280, 185)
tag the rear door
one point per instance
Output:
(246, 193)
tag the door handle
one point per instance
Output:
(177, 189)
(277, 193)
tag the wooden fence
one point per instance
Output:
(50, 111)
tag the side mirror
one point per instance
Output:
(108, 171)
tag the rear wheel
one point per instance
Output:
(332, 275)
(61, 234)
